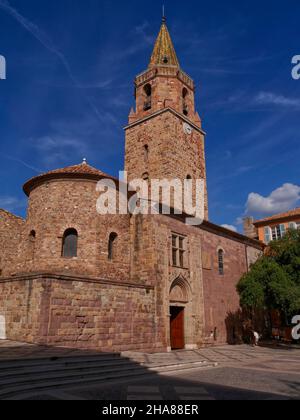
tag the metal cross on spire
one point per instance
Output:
(163, 14)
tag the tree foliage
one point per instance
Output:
(273, 282)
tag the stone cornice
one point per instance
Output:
(162, 111)
(73, 277)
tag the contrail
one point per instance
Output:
(47, 43)
(14, 159)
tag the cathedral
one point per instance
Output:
(125, 282)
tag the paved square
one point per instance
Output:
(242, 373)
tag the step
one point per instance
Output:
(13, 390)
(40, 376)
(181, 366)
(65, 359)
(8, 378)
(64, 367)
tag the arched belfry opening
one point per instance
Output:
(185, 108)
(180, 314)
(148, 97)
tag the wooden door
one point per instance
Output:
(177, 328)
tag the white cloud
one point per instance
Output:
(54, 149)
(267, 98)
(280, 200)
(11, 203)
(230, 227)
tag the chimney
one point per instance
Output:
(249, 228)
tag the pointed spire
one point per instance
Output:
(164, 52)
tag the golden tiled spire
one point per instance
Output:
(164, 52)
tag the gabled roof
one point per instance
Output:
(82, 170)
(164, 52)
(280, 216)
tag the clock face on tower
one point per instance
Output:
(187, 129)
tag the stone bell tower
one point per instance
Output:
(164, 137)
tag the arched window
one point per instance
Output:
(148, 97)
(70, 242)
(292, 226)
(221, 262)
(112, 246)
(31, 247)
(188, 177)
(185, 109)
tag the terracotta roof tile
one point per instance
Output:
(287, 214)
(76, 171)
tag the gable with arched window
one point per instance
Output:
(70, 243)
(112, 245)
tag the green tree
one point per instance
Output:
(273, 282)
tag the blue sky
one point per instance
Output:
(69, 89)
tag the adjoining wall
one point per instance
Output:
(11, 230)
(221, 300)
(80, 313)
(20, 303)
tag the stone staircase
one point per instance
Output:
(32, 375)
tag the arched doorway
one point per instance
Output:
(179, 299)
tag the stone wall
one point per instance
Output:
(11, 230)
(79, 313)
(20, 303)
(221, 300)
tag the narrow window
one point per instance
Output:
(32, 238)
(32, 235)
(112, 246)
(282, 231)
(146, 153)
(185, 109)
(148, 97)
(268, 235)
(70, 242)
(221, 262)
(278, 232)
(178, 251)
